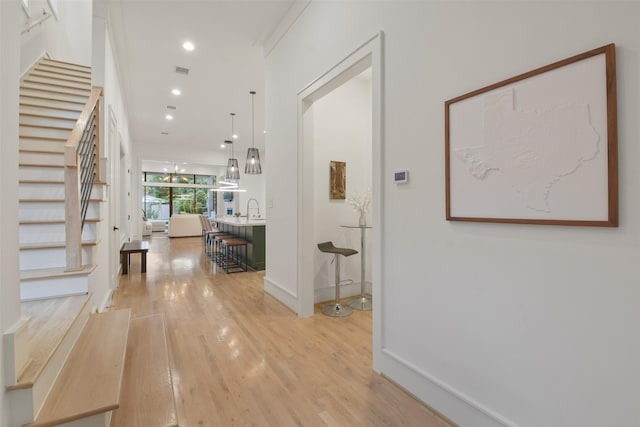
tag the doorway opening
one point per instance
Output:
(340, 115)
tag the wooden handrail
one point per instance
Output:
(72, 184)
(71, 146)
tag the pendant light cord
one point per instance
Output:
(253, 120)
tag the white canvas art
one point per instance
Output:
(535, 149)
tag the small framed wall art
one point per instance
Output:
(538, 148)
(337, 180)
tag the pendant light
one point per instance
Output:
(252, 166)
(233, 172)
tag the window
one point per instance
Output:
(166, 194)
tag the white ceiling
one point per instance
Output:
(227, 63)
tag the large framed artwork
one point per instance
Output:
(538, 148)
(337, 180)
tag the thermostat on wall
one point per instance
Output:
(400, 177)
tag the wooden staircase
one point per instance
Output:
(67, 366)
(52, 96)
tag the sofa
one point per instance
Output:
(185, 225)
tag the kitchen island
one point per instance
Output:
(253, 231)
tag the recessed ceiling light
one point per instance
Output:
(188, 46)
(176, 92)
(222, 146)
(168, 117)
(235, 136)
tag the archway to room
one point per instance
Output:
(340, 120)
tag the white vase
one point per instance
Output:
(362, 221)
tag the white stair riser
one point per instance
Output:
(31, 259)
(47, 288)
(53, 211)
(33, 132)
(49, 112)
(34, 102)
(51, 191)
(44, 233)
(62, 123)
(42, 144)
(48, 87)
(38, 93)
(40, 174)
(25, 157)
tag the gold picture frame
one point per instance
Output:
(337, 180)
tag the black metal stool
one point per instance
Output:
(336, 309)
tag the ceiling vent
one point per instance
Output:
(182, 70)
(171, 107)
(164, 133)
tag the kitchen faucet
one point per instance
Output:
(257, 207)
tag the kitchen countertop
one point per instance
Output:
(242, 222)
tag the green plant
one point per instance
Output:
(237, 214)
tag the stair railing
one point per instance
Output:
(81, 167)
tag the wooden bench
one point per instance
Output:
(88, 387)
(128, 248)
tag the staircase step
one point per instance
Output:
(65, 65)
(66, 77)
(44, 133)
(58, 82)
(53, 245)
(54, 325)
(50, 321)
(41, 158)
(50, 257)
(49, 113)
(57, 105)
(54, 273)
(62, 71)
(89, 383)
(34, 173)
(52, 211)
(52, 232)
(47, 122)
(50, 191)
(53, 221)
(38, 144)
(54, 96)
(54, 282)
(27, 84)
(147, 390)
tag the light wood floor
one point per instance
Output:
(240, 358)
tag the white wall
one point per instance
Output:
(519, 325)
(66, 38)
(10, 14)
(106, 74)
(341, 127)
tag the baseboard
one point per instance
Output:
(438, 395)
(281, 294)
(106, 301)
(16, 351)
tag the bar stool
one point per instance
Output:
(336, 309)
(212, 243)
(232, 258)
